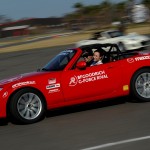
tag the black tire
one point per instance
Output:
(27, 106)
(140, 85)
(121, 47)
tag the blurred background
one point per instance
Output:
(106, 14)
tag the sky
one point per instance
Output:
(19, 9)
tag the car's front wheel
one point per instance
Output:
(27, 106)
(140, 85)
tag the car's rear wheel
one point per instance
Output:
(27, 106)
(140, 85)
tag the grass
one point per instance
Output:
(47, 43)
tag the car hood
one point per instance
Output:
(20, 77)
(127, 38)
(135, 37)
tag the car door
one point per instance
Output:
(95, 81)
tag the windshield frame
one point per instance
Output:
(113, 34)
(60, 61)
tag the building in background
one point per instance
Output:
(30, 26)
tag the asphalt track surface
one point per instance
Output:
(113, 125)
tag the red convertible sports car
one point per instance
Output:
(67, 80)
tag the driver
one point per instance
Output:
(88, 57)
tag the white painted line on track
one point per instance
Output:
(117, 143)
(52, 36)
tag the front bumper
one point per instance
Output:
(3, 104)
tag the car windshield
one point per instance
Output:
(60, 61)
(115, 34)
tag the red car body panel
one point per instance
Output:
(75, 86)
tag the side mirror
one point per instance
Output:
(81, 65)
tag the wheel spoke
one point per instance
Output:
(21, 107)
(22, 102)
(140, 89)
(34, 109)
(23, 112)
(144, 93)
(35, 105)
(27, 115)
(32, 113)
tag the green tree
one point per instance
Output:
(78, 6)
(101, 14)
(146, 3)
